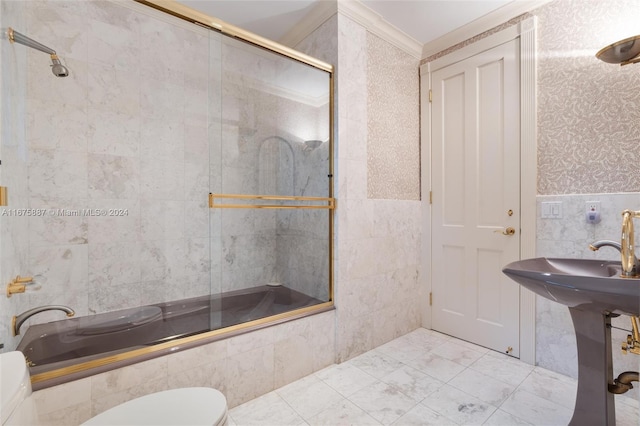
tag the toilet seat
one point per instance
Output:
(185, 406)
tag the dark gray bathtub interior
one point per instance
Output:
(63, 343)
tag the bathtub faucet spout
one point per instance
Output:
(17, 321)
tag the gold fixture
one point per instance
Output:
(632, 344)
(510, 212)
(627, 247)
(509, 349)
(3, 196)
(509, 231)
(18, 285)
(623, 52)
(331, 202)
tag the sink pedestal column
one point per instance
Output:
(594, 403)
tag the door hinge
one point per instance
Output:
(430, 197)
(430, 95)
(430, 298)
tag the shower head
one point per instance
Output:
(57, 68)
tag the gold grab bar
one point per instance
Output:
(331, 202)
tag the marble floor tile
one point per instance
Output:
(627, 411)
(344, 413)
(376, 363)
(309, 396)
(502, 418)
(412, 382)
(459, 406)
(459, 353)
(383, 402)
(503, 367)
(402, 349)
(536, 410)
(267, 409)
(483, 387)
(436, 366)
(551, 386)
(421, 415)
(345, 378)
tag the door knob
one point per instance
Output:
(509, 231)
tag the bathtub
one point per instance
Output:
(61, 344)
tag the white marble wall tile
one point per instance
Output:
(162, 219)
(52, 125)
(252, 374)
(113, 176)
(63, 265)
(128, 377)
(113, 45)
(110, 400)
(123, 226)
(58, 174)
(113, 264)
(113, 133)
(293, 358)
(57, 230)
(113, 90)
(250, 341)
(63, 396)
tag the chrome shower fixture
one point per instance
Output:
(57, 68)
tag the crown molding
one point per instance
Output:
(480, 25)
(318, 15)
(376, 24)
(358, 12)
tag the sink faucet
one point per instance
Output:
(630, 264)
(17, 321)
(595, 246)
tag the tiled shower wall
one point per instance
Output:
(136, 127)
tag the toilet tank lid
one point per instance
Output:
(184, 406)
(15, 384)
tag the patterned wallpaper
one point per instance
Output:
(588, 111)
(393, 120)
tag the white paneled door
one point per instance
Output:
(476, 198)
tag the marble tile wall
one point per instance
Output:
(378, 241)
(570, 237)
(242, 367)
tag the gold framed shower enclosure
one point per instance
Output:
(330, 202)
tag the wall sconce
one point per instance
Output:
(623, 52)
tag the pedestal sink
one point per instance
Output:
(594, 291)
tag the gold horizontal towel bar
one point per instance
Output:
(331, 202)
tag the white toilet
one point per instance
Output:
(186, 406)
